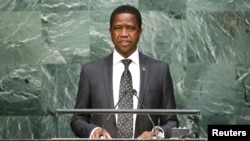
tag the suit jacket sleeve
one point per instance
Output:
(80, 123)
(168, 121)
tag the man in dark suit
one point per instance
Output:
(99, 84)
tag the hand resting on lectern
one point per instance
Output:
(100, 133)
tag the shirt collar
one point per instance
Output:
(134, 57)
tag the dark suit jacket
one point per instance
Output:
(95, 92)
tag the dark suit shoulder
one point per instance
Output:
(94, 63)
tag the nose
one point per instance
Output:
(124, 32)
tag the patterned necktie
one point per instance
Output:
(125, 121)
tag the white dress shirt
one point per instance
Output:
(118, 68)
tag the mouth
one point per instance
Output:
(124, 42)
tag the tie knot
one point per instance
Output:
(126, 62)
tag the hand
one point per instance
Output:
(146, 135)
(100, 133)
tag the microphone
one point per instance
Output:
(134, 92)
(122, 96)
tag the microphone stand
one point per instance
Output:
(134, 92)
(125, 93)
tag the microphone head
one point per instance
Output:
(134, 92)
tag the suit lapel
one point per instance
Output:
(107, 70)
(144, 72)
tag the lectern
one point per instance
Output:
(130, 111)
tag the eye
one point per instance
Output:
(117, 28)
(131, 28)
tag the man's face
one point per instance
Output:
(125, 33)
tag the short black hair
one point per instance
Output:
(126, 9)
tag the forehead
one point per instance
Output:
(125, 17)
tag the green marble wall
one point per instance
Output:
(43, 44)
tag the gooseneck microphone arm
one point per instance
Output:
(123, 95)
(134, 92)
